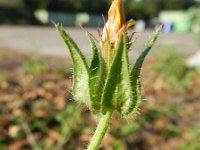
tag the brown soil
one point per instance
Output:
(165, 121)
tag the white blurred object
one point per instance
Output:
(140, 25)
(194, 60)
(196, 28)
(13, 131)
(42, 16)
(82, 18)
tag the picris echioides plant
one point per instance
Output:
(107, 84)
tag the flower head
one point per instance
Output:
(114, 27)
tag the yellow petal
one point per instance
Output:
(130, 23)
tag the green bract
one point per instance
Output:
(104, 89)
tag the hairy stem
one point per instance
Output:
(100, 131)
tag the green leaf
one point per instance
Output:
(81, 71)
(131, 106)
(94, 76)
(94, 66)
(100, 83)
(123, 89)
(108, 100)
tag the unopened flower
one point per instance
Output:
(113, 29)
(108, 84)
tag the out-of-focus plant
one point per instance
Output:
(33, 66)
(173, 69)
(107, 84)
(192, 141)
(171, 66)
(195, 20)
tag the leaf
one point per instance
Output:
(124, 90)
(131, 106)
(108, 101)
(94, 66)
(101, 82)
(94, 76)
(81, 71)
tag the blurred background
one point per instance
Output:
(37, 110)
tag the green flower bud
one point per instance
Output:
(108, 84)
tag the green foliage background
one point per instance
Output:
(136, 9)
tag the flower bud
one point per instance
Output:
(114, 27)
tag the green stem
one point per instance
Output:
(100, 131)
